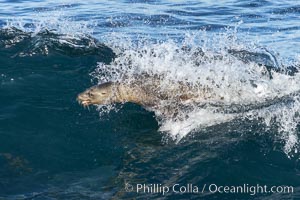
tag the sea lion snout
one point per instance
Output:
(83, 98)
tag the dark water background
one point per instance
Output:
(52, 148)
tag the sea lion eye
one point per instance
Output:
(103, 93)
(90, 94)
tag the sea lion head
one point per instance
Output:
(102, 94)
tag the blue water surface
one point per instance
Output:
(53, 148)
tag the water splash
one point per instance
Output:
(56, 21)
(237, 81)
(49, 29)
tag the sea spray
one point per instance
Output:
(238, 76)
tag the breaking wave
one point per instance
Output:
(237, 81)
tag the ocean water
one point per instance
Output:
(246, 133)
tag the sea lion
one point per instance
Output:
(176, 96)
(113, 92)
(147, 94)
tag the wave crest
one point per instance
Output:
(48, 42)
(238, 82)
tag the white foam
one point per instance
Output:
(230, 82)
(197, 119)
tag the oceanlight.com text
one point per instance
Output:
(206, 188)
